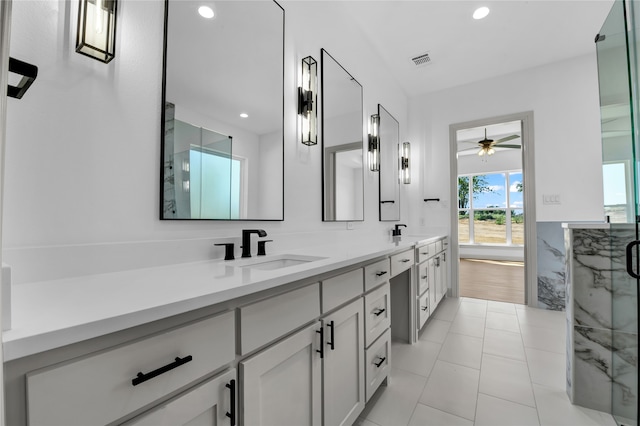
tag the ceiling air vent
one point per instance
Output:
(421, 60)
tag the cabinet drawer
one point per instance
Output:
(378, 363)
(377, 313)
(98, 389)
(402, 261)
(423, 253)
(423, 278)
(339, 290)
(439, 246)
(423, 308)
(376, 273)
(267, 320)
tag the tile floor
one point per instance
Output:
(481, 362)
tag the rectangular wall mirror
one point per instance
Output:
(222, 115)
(389, 163)
(342, 143)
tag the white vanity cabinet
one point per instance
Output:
(343, 365)
(103, 387)
(211, 403)
(432, 280)
(282, 385)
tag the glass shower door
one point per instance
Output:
(618, 83)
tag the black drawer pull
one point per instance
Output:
(232, 401)
(424, 253)
(424, 277)
(379, 312)
(381, 273)
(405, 260)
(424, 308)
(333, 337)
(141, 377)
(379, 363)
(321, 350)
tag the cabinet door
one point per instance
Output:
(444, 283)
(344, 391)
(433, 293)
(208, 404)
(281, 385)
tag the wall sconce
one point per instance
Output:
(405, 172)
(96, 36)
(374, 144)
(307, 95)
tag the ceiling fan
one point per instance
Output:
(487, 145)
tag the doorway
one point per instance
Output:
(493, 209)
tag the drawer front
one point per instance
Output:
(423, 278)
(402, 261)
(378, 363)
(99, 390)
(376, 274)
(423, 308)
(423, 253)
(439, 246)
(339, 290)
(267, 320)
(377, 313)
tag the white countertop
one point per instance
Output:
(50, 314)
(586, 225)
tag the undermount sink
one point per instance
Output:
(279, 261)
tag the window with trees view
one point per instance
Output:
(491, 208)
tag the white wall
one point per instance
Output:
(83, 146)
(564, 99)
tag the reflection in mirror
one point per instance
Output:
(389, 182)
(342, 130)
(222, 130)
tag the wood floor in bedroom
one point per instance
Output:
(497, 280)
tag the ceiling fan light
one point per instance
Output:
(491, 151)
(481, 152)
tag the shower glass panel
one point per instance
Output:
(616, 46)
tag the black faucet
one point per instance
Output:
(397, 231)
(246, 240)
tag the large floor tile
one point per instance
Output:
(417, 359)
(393, 405)
(547, 368)
(507, 379)
(364, 422)
(504, 343)
(502, 307)
(467, 325)
(493, 411)
(554, 408)
(541, 317)
(473, 300)
(473, 309)
(424, 415)
(462, 350)
(453, 389)
(435, 331)
(543, 338)
(502, 321)
(447, 309)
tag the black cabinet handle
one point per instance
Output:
(379, 312)
(333, 338)
(405, 260)
(444, 257)
(389, 201)
(424, 277)
(232, 400)
(438, 261)
(381, 273)
(424, 253)
(630, 270)
(321, 350)
(424, 308)
(379, 363)
(141, 377)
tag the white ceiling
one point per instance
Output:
(516, 35)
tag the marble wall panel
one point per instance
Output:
(551, 266)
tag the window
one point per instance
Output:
(616, 181)
(491, 208)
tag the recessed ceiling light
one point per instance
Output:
(244, 115)
(206, 12)
(481, 12)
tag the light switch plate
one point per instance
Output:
(551, 199)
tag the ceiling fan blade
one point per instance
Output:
(507, 138)
(509, 146)
(471, 142)
(468, 149)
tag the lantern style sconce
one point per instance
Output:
(405, 172)
(374, 144)
(307, 95)
(96, 36)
